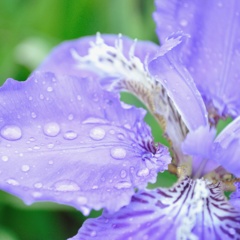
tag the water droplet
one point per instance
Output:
(143, 172)
(82, 200)
(32, 139)
(93, 233)
(5, 158)
(11, 132)
(25, 168)
(30, 98)
(122, 185)
(97, 133)
(34, 115)
(41, 96)
(127, 126)
(49, 89)
(36, 147)
(12, 182)
(50, 162)
(112, 131)
(95, 187)
(66, 186)
(118, 153)
(51, 129)
(120, 136)
(36, 194)
(123, 174)
(38, 185)
(70, 135)
(94, 120)
(183, 22)
(79, 98)
(50, 145)
(70, 117)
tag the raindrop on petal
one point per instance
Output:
(97, 133)
(38, 185)
(11, 132)
(51, 129)
(70, 135)
(143, 172)
(5, 158)
(66, 186)
(49, 89)
(118, 153)
(122, 185)
(82, 200)
(12, 182)
(25, 168)
(123, 174)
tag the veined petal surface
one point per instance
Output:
(193, 209)
(66, 140)
(167, 68)
(227, 147)
(212, 54)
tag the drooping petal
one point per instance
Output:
(235, 197)
(168, 70)
(190, 210)
(199, 144)
(64, 139)
(212, 53)
(227, 147)
(62, 60)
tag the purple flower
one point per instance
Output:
(66, 137)
(213, 51)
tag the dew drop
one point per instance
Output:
(70, 117)
(34, 115)
(50, 162)
(82, 200)
(93, 233)
(97, 133)
(25, 168)
(49, 89)
(70, 135)
(118, 153)
(122, 185)
(143, 172)
(120, 136)
(36, 194)
(184, 22)
(50, 145)
(79, 98)
(95, 187)
(51, 129)
(38, 185)
(123, 174)
(12, 182)
(5, 158)
(11, 132)
(66, 186)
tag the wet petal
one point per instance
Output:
(190, 210)
(227, 147)
(235, 197)
(212, 53)
(64, 58)
(64, 139)
(168, 70)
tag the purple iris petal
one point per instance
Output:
(64, 139)
(190, 210)
(212, 54)
(235, 197)
(167, 69)
(199, 144)
(62, 61)
(227, 147)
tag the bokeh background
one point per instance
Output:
(28, 31)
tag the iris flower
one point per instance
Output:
(66, 136)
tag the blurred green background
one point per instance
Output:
(28, 31)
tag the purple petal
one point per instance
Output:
(167, 69)
(63, 61)
(227, 147)
(199, 144)
(64, 139)
(190, 210)
(235, 197)
(212, 53)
